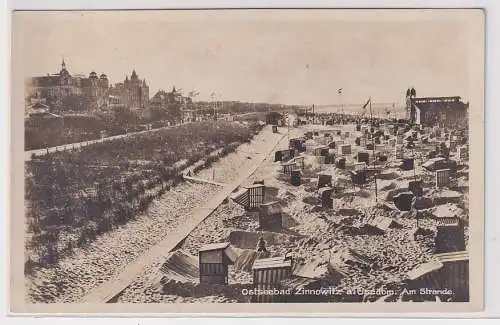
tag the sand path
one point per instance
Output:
(257, 150)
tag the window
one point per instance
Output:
(428, 116)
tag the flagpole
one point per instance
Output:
(341, 104)
(371, 116)
(373, 150)
(371, 128)
(288, 122)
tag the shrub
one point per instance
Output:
(62, 185)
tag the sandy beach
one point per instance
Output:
(315, 233)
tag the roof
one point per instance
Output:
(436, 159)
(424, 269)
(181, 266)
(254, 186)
(453, 256)
(271, 263)
(285, 150)
(448, 221)
(46, 81)
(373, 169)
(431, 162)
(213, 247)
(381, 222)
(90, 191)
(245, 259)
(425, 100)
(323, 189)
(239, 194)
(271, 207)
(39, 106)
(405, 193)
(42, 114)
(238, 191)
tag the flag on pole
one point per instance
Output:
(367, 102)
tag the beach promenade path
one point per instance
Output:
(40, 152)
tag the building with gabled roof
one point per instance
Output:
(64, 91)
(437, 111)
(75, 92)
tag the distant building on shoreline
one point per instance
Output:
(170, 104)
(163, 98)
(133, 93)
(66, 92)
(63, 91)
(436, 111)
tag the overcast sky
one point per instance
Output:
(289, 57)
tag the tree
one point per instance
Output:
(158, 113)
(174, 112)
(73, 102)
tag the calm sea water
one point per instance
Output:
(397, 112)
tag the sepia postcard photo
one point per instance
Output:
(274, 161)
